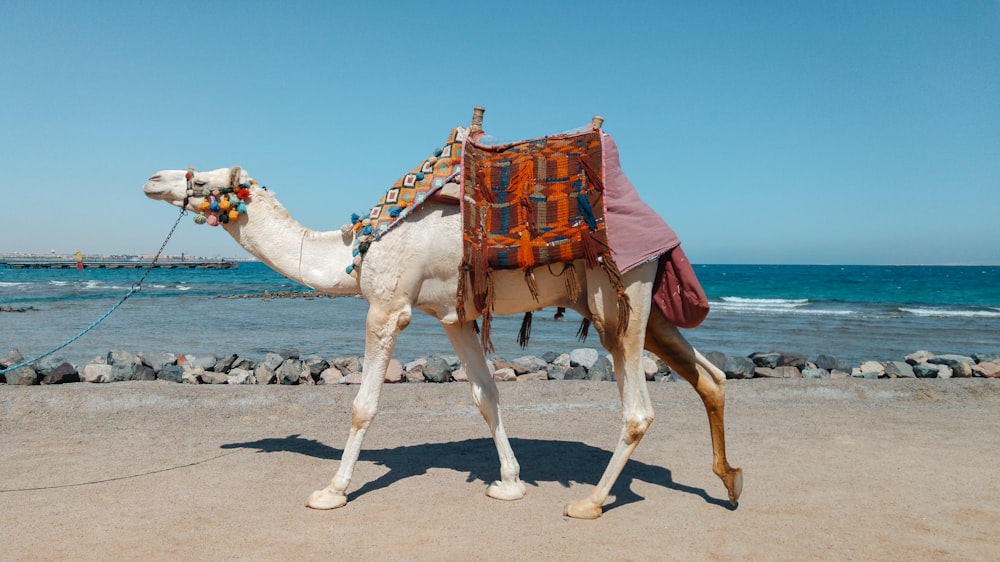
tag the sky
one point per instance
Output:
(840, 132)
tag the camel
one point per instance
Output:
(399, 276)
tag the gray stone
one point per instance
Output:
(960, 365)
(558, 372)
(25, 376)
(12, 358)
(602, 370)
(264, 373)
(287, 354)
(61, 374)
(157, 360)
(171, 372)
(831, 363)
(192, 374)
(577, 373)
(925, 371)
(437, 369)
(778, 373)
(768, 360)
(96, 372)
(348, 365)
(792, 359)
(45, 365)
(815, 373)
(453, 361)
(290, 371)
(528, 364)
(224, 364)
(717, 358)
(562, 360)
(944, 371)
(316, 365)
(986, 357)
(550, 356)
(143, 373)
(272, 361)
(583, 357)
(206, 362)
(244, 363)
(899, 370)
(739, 368)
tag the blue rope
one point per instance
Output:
(136, 287)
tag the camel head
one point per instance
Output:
(202, 192)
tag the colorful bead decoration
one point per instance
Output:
(219, 206)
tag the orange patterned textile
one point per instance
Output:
(529, 204)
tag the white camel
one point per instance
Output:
(399, 275)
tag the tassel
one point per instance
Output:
(529, 279)
(525, 333)
(590, 252)
(572, 283)
(489, 302)
(583, 330)
(615, 278)
(463, 272)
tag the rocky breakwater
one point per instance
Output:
(289, 368)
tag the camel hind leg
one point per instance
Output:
(664, 339)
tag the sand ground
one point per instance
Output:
(834, 470)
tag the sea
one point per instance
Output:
(851, 312)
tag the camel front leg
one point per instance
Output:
(486, 397)
(382, 328)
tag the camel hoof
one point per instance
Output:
(583, 509)
(325, 499)
(507, 491)
(734, 484)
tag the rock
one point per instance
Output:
(143, 373)
(873, 367)
(528, 364)
(414, 370)
(717, 358)
(918, 357)
(12, 358)
(562, 360)
(989, 369)
(264, 373)
(45, 365)
(96, 372)
(290, 371)
(831, 363)
(244, 363)
(437, 369)
(224, 364)
(777, 373)
(738, 368)
(944, 371)
(925, 370)
(791, 359)
(192, 374)
(583, 357)
(960, 365)
(316, 365)
(534, 376)
(459, 375)
(899, 370)
(123, 365)
(240, 376)
(602, 370)
(837, 374)
(577, 373)
(550, 356)
(213, 377)
(157, 360)
(394, 371)
(348, 365)
(206, 362)
(61, 374)
(25, 376)
(504, 375)
(986, 357)
(558, 372)
(815, 373)
(352, 378)
(287, 354)
(330, 375)
(272, 361)
(170, 372)
(769, 360)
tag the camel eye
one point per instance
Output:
(200, 183)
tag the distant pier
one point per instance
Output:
(118, 264)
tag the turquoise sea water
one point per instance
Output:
(852, 312)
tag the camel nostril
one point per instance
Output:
(155, 177)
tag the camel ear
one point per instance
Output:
(347, 231)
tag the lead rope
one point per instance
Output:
(136, 287)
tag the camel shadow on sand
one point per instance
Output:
(576, 463)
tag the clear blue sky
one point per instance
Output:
(763, 132)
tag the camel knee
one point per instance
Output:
(636, 427)
(361, 416)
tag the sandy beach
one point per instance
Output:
(843, 469)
